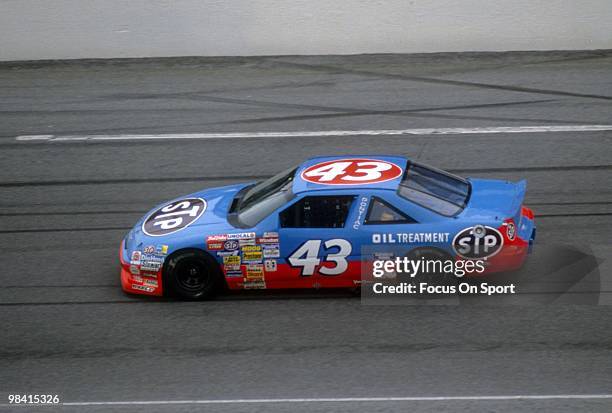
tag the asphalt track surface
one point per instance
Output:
(68, 329)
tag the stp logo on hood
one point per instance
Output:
(174, 217)
(351, 171)
(478, 242)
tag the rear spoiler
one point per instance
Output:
(516, 208)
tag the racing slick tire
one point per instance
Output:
(433, 254)
(192, 274)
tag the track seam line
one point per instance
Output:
(258, 177)
(307, 134)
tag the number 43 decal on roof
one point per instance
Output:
(351, 171)
(307, 256)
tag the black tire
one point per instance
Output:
(434, 254)
(192, 274)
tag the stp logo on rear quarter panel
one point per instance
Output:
(468, 244)
(351, 171)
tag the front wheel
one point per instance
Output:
(192, 275)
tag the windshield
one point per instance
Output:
(437, 190)
(265, 197)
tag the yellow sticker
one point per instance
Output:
(231, 260)
(255, 271)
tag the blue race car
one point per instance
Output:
(314, 226)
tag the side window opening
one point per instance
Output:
(381, 212)
(317, 212)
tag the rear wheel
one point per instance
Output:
(437, 256)
(192, 275)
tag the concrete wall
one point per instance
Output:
(60, 29)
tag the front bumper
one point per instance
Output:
(145, 283)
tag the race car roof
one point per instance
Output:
(350, 171)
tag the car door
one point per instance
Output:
(394, 227)
(316, 240)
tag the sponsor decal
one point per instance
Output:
(173, 217)
(162, 249)
(151, 282)
(231, 260)
(152, 257)
(149, 249)
(151, 262)
(252, 257)
(267, 241)
(227, 253)
(143, 288)
(510, 231)
(254, 285)
(352, 171)
(268, 238)
(241, 235)
(134, 269)
(135, 259)
(232, 263)
(233, 274)
(478, 242)
(254, 271)
(363, 207)
(214, 246)
(137, 278)
(252, 254)
(271, 251)
(231, 245)
(216, 238)
(246, 241)
(410, 238)
(383, 256)
(152, 267)
(270, 265)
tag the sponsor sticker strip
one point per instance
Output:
(145, 266)
(246, 255)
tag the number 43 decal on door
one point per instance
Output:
(307, 256)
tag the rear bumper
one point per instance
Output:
(532, 240)
(527, 229)
(510, 258)
(515, 251)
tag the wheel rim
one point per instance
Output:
(192, 275)
(431, 255)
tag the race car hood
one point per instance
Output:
(216, 203)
